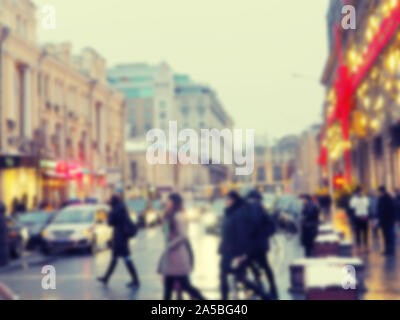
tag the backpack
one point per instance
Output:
(130, 229)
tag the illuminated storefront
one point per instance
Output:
(361, 139)
(18, 177)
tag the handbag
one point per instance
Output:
(130, 229)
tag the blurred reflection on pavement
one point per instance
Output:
(382, 273)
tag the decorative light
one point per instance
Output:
(379, 103)
(367, 102)
(388, 85)
(375, 124)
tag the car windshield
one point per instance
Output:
(137, 206)
(75, 215)
(34, 217)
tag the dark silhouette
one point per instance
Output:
(387, 220)
(235, 247)
(176, 262)
(119, 219)
(263, 227)
(309, 224)
(23, 204)
(325, 203)
(14, 207)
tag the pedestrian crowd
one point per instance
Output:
(379, 211)
(245, 230)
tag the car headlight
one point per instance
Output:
(88, 232)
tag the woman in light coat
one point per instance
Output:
(176, 262)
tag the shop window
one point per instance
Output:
(260, 174)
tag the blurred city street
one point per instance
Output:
(77, 272)
(195, 141)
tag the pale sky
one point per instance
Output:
(247, 50)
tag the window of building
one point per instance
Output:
(148, 115)
(277, 173)
(134, 170)
(132, 131)
(261, 174)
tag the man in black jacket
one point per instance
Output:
(263, 228)
(387, 218)
(309, 224)
(235, 245)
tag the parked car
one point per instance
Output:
(35, 222)
(78, 227)
(17, 238)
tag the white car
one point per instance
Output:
(78, 227)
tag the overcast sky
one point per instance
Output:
(247, 50)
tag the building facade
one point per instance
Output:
(362, 107)
(61, 123)
(308, 174)
(155, 96)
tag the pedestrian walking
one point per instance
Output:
(373, 214)
(235, 247)
(325, 203)
(23, 204)
(4, 253)
(14, 207)
(359, 203)
(123, 230)
(263, 229)
(176, 262)
(309, 224)
(387, 220)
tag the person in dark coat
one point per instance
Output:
(235, 246)
(118, 218)
(309, 224)
(397, 204)
(387, 220)
(3, 236)
(14, 207)
(23, 204)
(263, 227)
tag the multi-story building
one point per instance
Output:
(61, 123)
(308, 175)
(362, 106)
(283, 162)
(275, 165)
(155, 95)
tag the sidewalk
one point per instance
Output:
(382, 274)
(29, 259)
